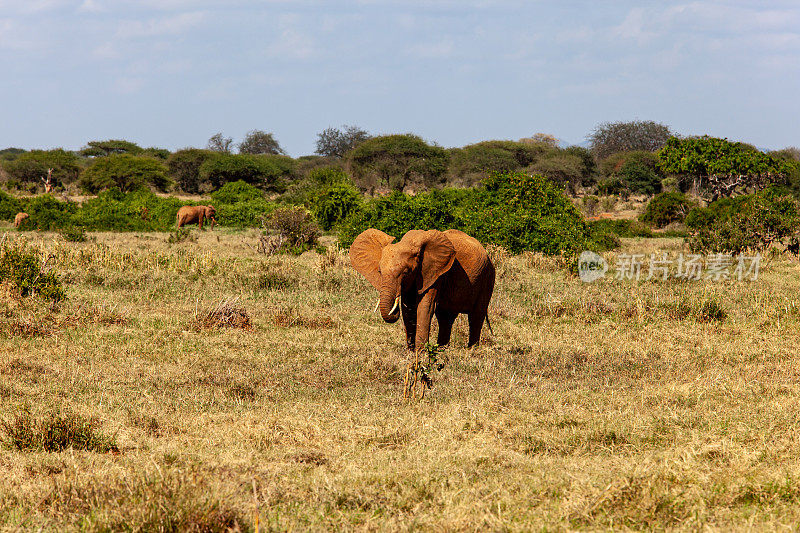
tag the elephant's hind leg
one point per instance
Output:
(476, 319)
(445, 319)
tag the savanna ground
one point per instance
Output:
(651, 405)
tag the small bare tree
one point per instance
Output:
(48, 182)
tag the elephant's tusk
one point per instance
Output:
(395, 306)
(376, 306)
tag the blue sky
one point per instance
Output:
(171, 73)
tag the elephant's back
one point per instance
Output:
(466, 245)
(186, 211)
(470, 253)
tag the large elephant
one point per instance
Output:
(433, 273)
(194, 214)
(19, 218)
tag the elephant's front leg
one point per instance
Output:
(408, 307)
(425, 309)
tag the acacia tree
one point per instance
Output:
(335, 142)
(720, 167)
(397, 161)
(260, 142)
(612, 137)
(220, 143)
(111, 146)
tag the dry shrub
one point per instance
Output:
(290, 317)
(499, 257)
(225, 315)
(539, 261)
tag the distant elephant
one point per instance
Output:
(19, 218)
(432, 273)
(195, 214)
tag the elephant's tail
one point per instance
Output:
(489, 324)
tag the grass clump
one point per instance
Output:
(56, 432)
(181, 235)
(73, 234)
(225, 315)
(26, 271)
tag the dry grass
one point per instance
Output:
(653, 405)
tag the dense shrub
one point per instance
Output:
(31, 167)
(236, 191)
(269, 173)
(621, 228)
(183, 167)
(752, 222)
(22, 266)
(47, 213)
(526, 212)
(9, 206)
(514, 210)
(240, 204)
(398, 213)
(134, 211)
(335, 203)
(666, 208)
(127, 172)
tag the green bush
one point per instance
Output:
(246, 214)
(526, 212)
(304, 191)
(22, 266)
(398, 213)
(335, 203)
(73, 234)
(514, 210)
(237, 191)
(621, 228)
(269, 173)
(666, 208)
(47, 213)
(134, 211)
(752, 222)
(639, 173)
(9, 206)
(125, 171)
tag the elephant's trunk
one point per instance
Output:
(389, 302)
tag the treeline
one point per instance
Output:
(623, 158)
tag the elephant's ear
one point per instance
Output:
(365, 254)
(438, 255)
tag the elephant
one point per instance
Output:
(194, 214)
(19, 218)
(442, 273)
